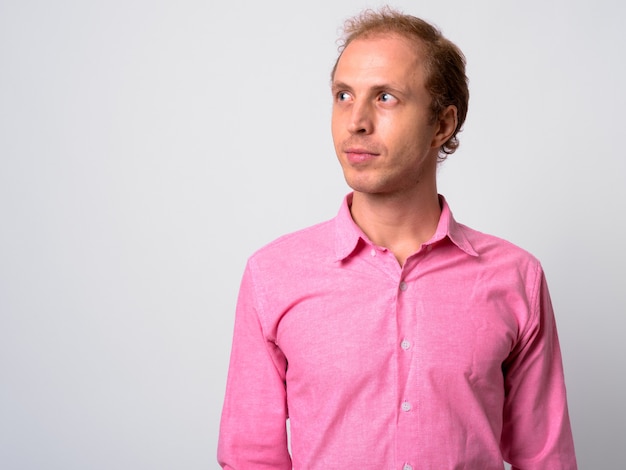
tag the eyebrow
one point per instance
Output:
(335, 86)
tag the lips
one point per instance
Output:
(360, 154)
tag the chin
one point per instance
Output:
(367, 182)
(368, 187)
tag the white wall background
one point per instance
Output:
(148, 147)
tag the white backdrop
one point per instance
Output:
(147, 148)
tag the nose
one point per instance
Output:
(361, 121)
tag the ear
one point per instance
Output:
(445, 126)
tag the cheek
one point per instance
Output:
(336, 129)
(396, 134)
(410, 135)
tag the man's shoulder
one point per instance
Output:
(492, 246)
(317, 240)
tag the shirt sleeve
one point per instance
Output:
(536, 428)
(253, 426)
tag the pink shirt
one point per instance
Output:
(449, 362)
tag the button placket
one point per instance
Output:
(406, 327)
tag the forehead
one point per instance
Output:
(378, 56)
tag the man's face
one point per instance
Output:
(382, 128)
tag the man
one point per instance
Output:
(391, 336)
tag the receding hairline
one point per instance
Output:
(419, 45)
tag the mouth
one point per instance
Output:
(358, 154)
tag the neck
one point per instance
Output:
(399, 222)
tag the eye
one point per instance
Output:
(343, 96)
(387, 98)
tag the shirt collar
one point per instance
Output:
(348, 234)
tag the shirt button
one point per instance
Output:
(405, 344)
(429, 248)
(407, 467)
(406, 406)
(403, 286)
(373, 252)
